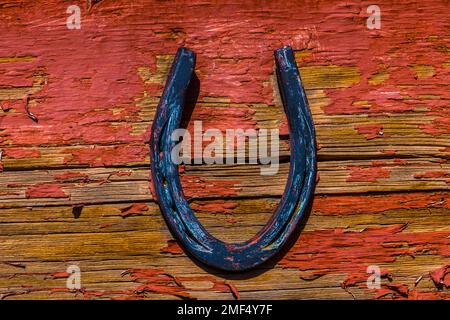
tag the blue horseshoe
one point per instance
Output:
(298, 190)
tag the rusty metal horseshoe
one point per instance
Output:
(298, 190)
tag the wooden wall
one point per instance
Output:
(77, 107)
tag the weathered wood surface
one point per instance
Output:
(75, 186)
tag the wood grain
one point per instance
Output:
(75, 185)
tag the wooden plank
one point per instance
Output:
(142, 240)
(339, 137)
(75, 185)
(100, 185)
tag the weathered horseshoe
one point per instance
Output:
(299, 187)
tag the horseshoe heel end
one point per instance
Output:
(284, 58)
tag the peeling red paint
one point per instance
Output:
(71, 176)
(441, 276)
(134, 209)
(232, 220)
(215, 206)
(414, 294)
(84, 109)
(371, 131)
(161, 289)
(91, 3)
(213, 118)
(394, 290)
(21, 153)
(379, 163)
(361, 278)
(389, 289)
(388, 151)
(59, 275)
(7, 105)
(400, 162)
(46, 190)
(438, 126)
(233, 290)
(121, 173)
(158, 281)
(217, 284)
(367, 174)
(106, 156)
(343, 251)
(194, 186)
(345, 205)
(172, 248)
(432, 174)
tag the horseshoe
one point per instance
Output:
(298, 190)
